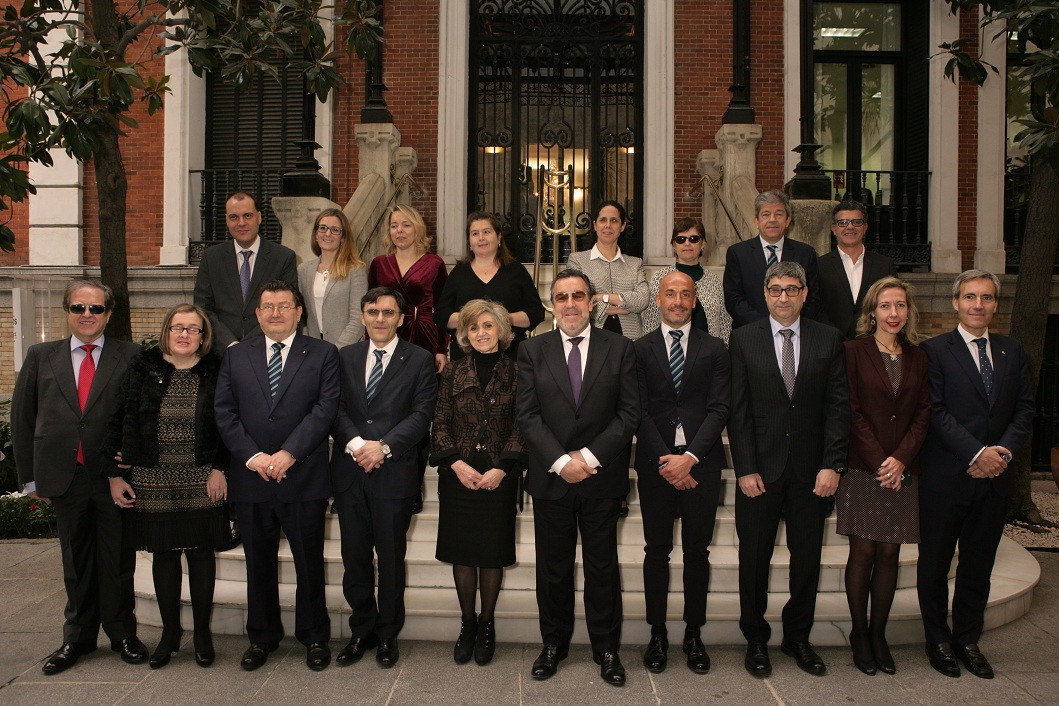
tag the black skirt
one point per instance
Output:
(476, 527)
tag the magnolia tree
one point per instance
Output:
(1034, 25)
(72, 70)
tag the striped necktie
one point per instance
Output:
(275, 367)
(772, 259)
(676, 359)
(375, 376)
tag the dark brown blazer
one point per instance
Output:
(885, 424)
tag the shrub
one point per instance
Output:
(23, 516)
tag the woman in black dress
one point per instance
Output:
(168, 452)
(489, 271)
(479, 451)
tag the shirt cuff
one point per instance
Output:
(30, 487)
(976, 457)
(252, 458)
(590, 458)
(559, 463)
(354, 445)
(693, 456)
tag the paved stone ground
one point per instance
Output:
(1025, 655)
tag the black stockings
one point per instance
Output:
(871, 570)
(468, 581)
(202, 574)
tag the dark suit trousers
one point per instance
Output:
(659, 503)
(372, 525)
(556, 524)
(756, 522)
(303, 525)
(977, 524)
(98, 562)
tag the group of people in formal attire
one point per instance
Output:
(284, 387)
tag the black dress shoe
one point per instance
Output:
(256, 655)
(485, 642)
(355, 649)
(204, 654)
(943, 660)
(548, 661)
(974, 660)
(881, 651)
(417, 504)
(863, 659)
(318, 656)
(698, 660)
(204, 659)
(236, 537)
(757, 660)
(655, 657)
(623, 511)
(610, 668)
(132, 651)
(806, 657)
(61, 659)
(387, 654)
(463, 650)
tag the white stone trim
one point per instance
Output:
(453, 96)
(992, 151)
(944, 147)
(659, 135)
(792, 90)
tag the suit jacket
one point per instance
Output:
(744, 279)
(769, 430)
(342, 325)
(837, 306)
(964, 418)
(297, 419)
(46, 419)
(701, 406)
(399, 414)
(625, 276)
(884, 423)
(217, 288)
(554, 424)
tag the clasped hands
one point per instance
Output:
(369, 456)
(826, 484)
(473, 480)
(272, 467)
(676, 468)
(990, 463)
(576, 469)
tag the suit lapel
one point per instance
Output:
(880, 368)
(597, 356)
(299, 348)
(1000, 366)
(258, 276)
(804, 354)
(393, 368)
(658, 349)
(62, 365)
(259, 364)
(555, 359)
(838, 274)
(108, 363)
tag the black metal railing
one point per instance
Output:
(214, 187)
(1016, 206)
(896, 203)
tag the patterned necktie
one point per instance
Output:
(84, 385)
(787, 360)
(244, 272)
(574, 365)
(375, 376)
(985, 366)
(772, 260)
(676, 359)
(275, 367)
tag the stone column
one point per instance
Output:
(406, 160)
(736, 161)
(377, 146)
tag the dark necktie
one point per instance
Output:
(275, 367)
(676, 359)
(374, 376)
(244, 272)
(84, 386)
(772, 259)
(787, 360)
(984, 364)
(574, 365)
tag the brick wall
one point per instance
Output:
(17, 219)
(967, 168)
(766, 90)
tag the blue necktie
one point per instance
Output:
(375, 376)
(244, 273)
(985, 365)
(275, 367)
(676, 359)
(772, 259)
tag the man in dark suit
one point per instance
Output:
(64, 397)
(231, 274)
(388, 391)
(746, 262)
(981, 415)
(789, 432)
(276, 399)
(578, 407)
(684, 378)
(848, 271)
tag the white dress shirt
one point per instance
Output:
(796, 339)
(854, 270)
(778, 245)
(255, 248)
(356, 442)
(679, 438)
(590, 458)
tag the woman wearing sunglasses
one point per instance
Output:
(688, 241)
(333, 282)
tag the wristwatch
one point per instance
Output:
(385, 448)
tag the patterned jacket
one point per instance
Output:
(624, 276)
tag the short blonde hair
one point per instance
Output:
(422, 242)
(473, 309)
(867, 324)
(207, 328)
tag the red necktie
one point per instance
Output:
(84, 386)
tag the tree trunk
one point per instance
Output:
(1029, 315)
(111, 188)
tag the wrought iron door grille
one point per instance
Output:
(556, 83)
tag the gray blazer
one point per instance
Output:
(341, 323)
(626, 277)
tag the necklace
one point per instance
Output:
(886, 348)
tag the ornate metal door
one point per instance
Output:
(556, 83)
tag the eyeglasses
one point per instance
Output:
(333, 230)
(96, 309)
(578, 296)
(790, 290)
(681, 239)
(386, 313)
(858, 222)
(178, 329)
(282, 308)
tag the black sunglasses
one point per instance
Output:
(681, 239)
(96, 309)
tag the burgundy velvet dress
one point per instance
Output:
(421, 286)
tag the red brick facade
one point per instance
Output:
(967, 202)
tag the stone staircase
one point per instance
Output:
(433, 611)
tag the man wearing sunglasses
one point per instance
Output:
(848, 271)
(64, 397)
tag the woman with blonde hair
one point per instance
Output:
(333, 283)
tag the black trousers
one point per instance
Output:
(756, 522)
(659, 503)
(303, 525)
(976, 524)
(556, 524)
(373, 526)
(98, 561)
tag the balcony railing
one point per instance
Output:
(896, 203)
(214, 187)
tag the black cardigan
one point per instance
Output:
(133, 429)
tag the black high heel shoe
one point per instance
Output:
(204, 654)
(166, 647)
(485, 642)
(464, 648)
(862, 653)
(881, 650)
